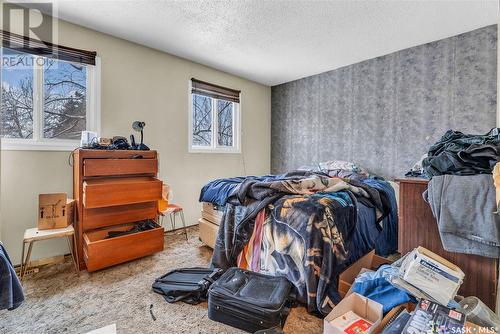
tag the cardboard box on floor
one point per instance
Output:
(432, 274)
(393, 314)
(370, 261)
(363, 307)
(55, 211)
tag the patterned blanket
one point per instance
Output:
(304, 238)
(297, 227)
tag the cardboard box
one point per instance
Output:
(55, 211)
(70, 211)
(361, 306)
(369, 261)
(432, 274)
(393, 314)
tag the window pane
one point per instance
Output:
(225, 123)
(202, 120)
(17, 95)
(64, 100)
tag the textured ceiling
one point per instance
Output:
(272, 42)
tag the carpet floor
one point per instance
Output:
(59, 301)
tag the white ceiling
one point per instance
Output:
(273, 42)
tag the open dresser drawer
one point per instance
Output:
(118, 215)
(98, 193)
(119, 167)
(100, 252)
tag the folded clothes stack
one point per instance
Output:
(457, 153)
(463, 154)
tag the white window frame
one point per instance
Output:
(215, 147)
(93, 119)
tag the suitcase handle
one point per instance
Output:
(192, 298)
(272, 330)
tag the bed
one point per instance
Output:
(307, 225)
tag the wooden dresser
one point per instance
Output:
(114, 189)
(418, 227)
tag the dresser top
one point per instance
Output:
(412, 180)
(118, 154)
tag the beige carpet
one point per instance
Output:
(59, 301)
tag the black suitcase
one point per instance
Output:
(189, 285)
(250, 301)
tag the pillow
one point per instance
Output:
(342, 165)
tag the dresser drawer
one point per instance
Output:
(208, 232)
(98, 193)
(120, 214)
(212, 213)
(99, 252)
(113, 167)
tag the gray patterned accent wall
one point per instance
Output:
(384, 113)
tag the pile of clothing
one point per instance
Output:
(300, 225)
(461, 192)
(377, 286)
(140, 226)
(457, 153)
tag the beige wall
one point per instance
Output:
(137, 83)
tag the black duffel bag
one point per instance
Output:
(189, 285)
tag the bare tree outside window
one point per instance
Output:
(17, 96)
(64, 95)
(225, 123)
(64, 104)
(208, 111)
(202, 120)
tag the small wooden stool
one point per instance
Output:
(34, 234)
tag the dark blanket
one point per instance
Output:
(11, 292)
(218, 191)
(463, 154)
(387, 242)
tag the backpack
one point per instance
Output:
(189, 285)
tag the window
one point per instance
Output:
(214, 120)
(64, 100)
(46, 102)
